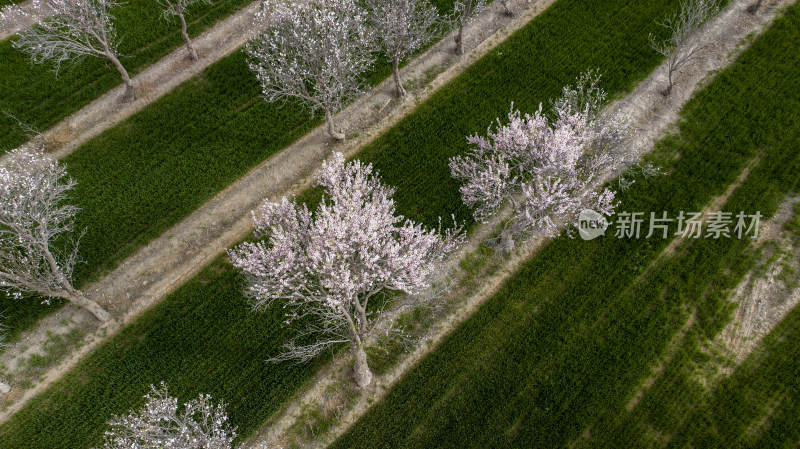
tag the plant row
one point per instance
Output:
(139, 178)
(557, 357)
(39, 97)
(203, 337)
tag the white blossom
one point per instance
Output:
(76, 29)
(162, 424)
(402, 27)
(547, 169)
(37, 253)
(314, 51)
(327, 265)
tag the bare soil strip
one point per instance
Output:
(178, 255)
(26, 10)
(763, 301)
(651, 114)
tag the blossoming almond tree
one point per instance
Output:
(78, 28)
(312, 50)
(401, 28)
(177, 8)
(35, 228)
(160, 423)
(325, 267)
(548, 170)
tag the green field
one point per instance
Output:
(37, 96)
(141, 177)
(555, 358)
(733, 415)
(201, 339)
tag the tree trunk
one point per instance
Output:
(401, 92)
(507, 244)
(752, 9)
(69, 292)
(361, 370)
(331, 129)
(79, 299)
(189, 48)
(464, 19)
(668, 90)
(460, 40)
(130, 94)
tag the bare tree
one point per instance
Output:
(402, 27)
(160, 423)
(325, 267)
(547, 170)
(685, 42)
(464, 11)
(78, 28)
(37, 254)
(315, 51)
(177, 8)
(753, 8)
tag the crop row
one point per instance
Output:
(144, 175)
(555, 359)
(37, 96)
(758, 405)
(202, 338)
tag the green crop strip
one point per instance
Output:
(37, 97)
(139, 178)
(202, 339)
(757, 407)
(554, 359)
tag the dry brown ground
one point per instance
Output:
(763, 301)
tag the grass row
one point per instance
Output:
(203, 339)
(141, 177)
(38, 97)
(758, 406)
(556, 357)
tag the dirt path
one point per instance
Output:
(181, 252)
(652, 116)
(151, 84)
